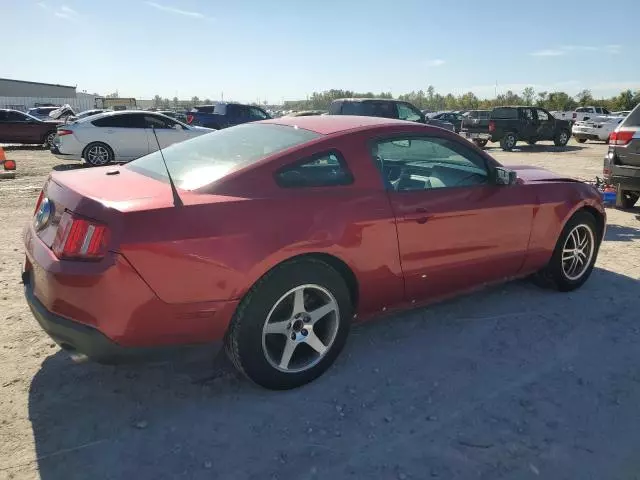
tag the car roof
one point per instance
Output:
(329, 124)
(371, 99)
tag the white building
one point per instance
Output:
(22, 95)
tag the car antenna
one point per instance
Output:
(177, 202)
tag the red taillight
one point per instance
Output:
(8, 164)
(39, 201)
(62, 132)
(79, 238)
(189, 119)
(492, 126)
(620, 138)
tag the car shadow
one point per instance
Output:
(540, 148)
(621, 233)
(63, 167)
(9, 148)
(484, 378)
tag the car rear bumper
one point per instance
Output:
(476, 135)
(64, 156)
(86, 342)
(105, 311)
(588, 136)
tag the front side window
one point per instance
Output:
(323, 170)
(17, 117)
(257, 114)
(407, 113)
(542, 115)
(202, 160)
(426, 163)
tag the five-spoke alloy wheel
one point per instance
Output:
(292, 324)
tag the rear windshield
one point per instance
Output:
(509, 113)
(200, 161)
(370, 109)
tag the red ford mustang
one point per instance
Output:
(277, 233)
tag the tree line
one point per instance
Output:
(434, 101)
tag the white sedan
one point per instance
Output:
(119, 136)
(598, 128)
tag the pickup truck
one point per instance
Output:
(622, 162)
(224, 114)
(508, 125)
(581, 114)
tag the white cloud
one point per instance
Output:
(43, 5)
(436, 63)
(178, 11)
(566, 49)
(548, 53)
(63, 11)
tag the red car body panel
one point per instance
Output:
(176, 274)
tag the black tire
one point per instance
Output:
(581, 140)
(98, 154)
(628, 199)
(244, 340)
(553, 274)
(480, 143)
(562, 138)
(508, 142)
(48, 138)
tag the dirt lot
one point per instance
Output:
(511, 382)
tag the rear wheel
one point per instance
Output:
(292, 325)
(480, 143)
(508, 141)
(574, 256)
(562, 138)
(98, 154)
(581, 140)
(628, 199)
(49, 138)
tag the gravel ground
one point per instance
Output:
(511, 382)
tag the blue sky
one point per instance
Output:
(270, 50)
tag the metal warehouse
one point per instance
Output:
(22, 95)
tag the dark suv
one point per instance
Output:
(622, 163)
(508, 125)
(382, 107)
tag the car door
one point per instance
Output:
(166, 130)
(456, 229)
(545, 124)
(528, 124)
(22, 128)
(237, 114)
(125, 133)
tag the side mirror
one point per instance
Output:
(504, 176)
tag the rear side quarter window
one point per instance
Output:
(327, 169)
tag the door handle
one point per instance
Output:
(419, 216)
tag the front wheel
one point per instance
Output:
(562, 138)
(480, 143)
(574, 256)
(508, 141)
(581, 140)
(292, 325)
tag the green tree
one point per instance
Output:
(195, 100)
(176, 102)
(624, 101)
(584, 98)
(157, 101)
(528, 95)
(542, 99)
